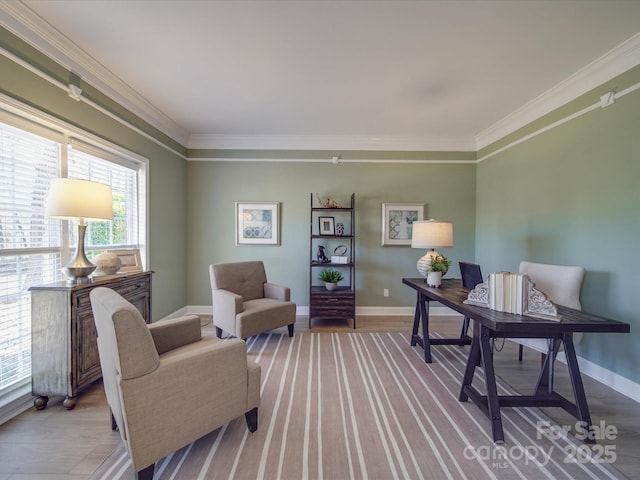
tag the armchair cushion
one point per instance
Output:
(242, 278)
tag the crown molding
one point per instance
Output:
(22, 21)
(330, 142)
(26, 24)
(615, 62)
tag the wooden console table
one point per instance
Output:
(489, 324)
(64, 350)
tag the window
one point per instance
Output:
(29, 243)
(33, 247)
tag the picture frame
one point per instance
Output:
(327, 226)
(257, 223)
(397, 221)
(130, 260)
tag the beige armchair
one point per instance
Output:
(165, 384)
(245, 304)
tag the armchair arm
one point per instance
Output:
(175, 332)
(277, 292)
(226, 305)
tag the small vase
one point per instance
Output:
(434, 279)
(330, 286)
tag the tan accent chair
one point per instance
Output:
(245, 304)
(561, 284)
(165, 384)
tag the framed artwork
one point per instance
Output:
(397, 222)
(327, 225)
(257, 223)
(130, 260)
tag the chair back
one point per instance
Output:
(246, 279)
(561, 284)
(471, 275)
(125, 346)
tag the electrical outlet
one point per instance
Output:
(385, 292)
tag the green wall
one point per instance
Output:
(447, 190)
(167, 171)
(571, 196)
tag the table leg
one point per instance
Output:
(416, 321)
(578, 388)
(493, 403)
(472, 363)
(424, 313)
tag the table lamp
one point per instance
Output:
(430, 234)
(74, 199)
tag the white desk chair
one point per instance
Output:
(561, 284)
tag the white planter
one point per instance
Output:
(434, 279)
(330, 286)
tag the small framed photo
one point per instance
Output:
(257, 223)
(397, 222)
(130, 260)
(327, 225)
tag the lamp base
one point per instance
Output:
(79, 267)
(424, 263)
(78, 275)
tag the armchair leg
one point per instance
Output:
(218, 332)
(290, 327)
(519, 353)
(252, 419)
(114, 425)
(146, 473)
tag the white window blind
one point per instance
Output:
(29, 242)
(123, 231)
(33, 247)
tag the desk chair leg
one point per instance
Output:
(465, 327)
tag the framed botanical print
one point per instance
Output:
(257, 223)
(397, 222)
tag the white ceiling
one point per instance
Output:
(394, 73)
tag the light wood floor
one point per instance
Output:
(56, 444)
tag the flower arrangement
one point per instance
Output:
(439, 263)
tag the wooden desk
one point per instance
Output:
(489, 324)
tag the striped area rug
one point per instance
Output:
(366, 406)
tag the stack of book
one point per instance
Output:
(508, 292)
(512, 293)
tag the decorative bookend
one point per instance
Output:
(512, 293)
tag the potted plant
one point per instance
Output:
(330, 278)
(437, 268)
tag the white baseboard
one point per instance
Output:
(611, 379)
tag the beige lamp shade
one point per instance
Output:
(432, 234)
(71, 199)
